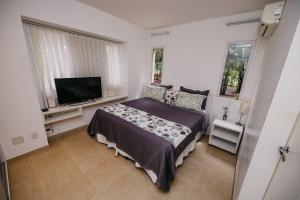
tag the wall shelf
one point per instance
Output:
(61, 113)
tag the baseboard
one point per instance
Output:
(28, 153)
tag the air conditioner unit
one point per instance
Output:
(270, 18)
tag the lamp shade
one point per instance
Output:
(244, 107)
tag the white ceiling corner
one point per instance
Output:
(156, 13)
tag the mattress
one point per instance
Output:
(151, 151)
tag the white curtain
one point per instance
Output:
(60, 54)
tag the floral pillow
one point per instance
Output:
(171, 96)
(154, 92)
(189, 101)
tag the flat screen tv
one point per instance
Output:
(75, 90)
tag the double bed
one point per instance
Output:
(155, 135)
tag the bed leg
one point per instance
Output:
(116, 153)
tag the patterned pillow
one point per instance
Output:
(171, 96)
(204, 92)
(154, 92)
(189, 101)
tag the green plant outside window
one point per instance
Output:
(157, 64)
(235, 67)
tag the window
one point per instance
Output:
(157, 62)
(235, 68)
(58, 53)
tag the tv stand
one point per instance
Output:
(61, 113)
(83, 102)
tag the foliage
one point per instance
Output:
(158, 64)
(235, 66)
(159, 55)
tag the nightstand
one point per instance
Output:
(225, 135)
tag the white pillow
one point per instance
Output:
(154, 92)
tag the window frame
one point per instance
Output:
(249, 63)
(152, 66)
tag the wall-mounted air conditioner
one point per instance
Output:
(270, 18)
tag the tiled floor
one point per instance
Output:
(75, 166)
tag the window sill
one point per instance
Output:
(230, 97)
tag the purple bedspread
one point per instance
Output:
(149, 150)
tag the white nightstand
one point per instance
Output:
(226, 135)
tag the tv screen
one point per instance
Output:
(75, 90)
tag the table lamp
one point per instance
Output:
(244, 109)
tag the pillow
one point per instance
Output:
(205, 93)
(189, 101)
(168, 87)
(154, 92)
(171, 96)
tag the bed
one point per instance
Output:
(155, 135)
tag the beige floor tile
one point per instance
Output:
(99, 195)
(54, 149)
(52, 162)
(213, 185)
(61, 174)
(189, 170)
(75, 166)
(78, 189)
(106, 172)
(125, 188)
(181, 187)
(21, 170)
(207, 190)
(88, 156)
(80, 137)
(31, 190)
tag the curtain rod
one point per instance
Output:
(70, 31)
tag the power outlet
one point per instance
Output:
(17, 140)
(34, 135)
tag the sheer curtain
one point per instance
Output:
(59, 54)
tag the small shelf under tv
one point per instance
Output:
(61, 113)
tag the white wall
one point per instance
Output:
(194, 57)
(278, 126)
(273, 62)
(20, 114)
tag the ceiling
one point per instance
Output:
(161, 13)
